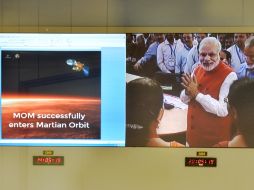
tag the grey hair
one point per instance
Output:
(210, 40)
(249, 42)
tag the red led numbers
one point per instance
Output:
(200, 162)
(48, 160)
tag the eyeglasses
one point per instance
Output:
(209, 54)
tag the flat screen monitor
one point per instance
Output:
(128, 90)
(62, 89)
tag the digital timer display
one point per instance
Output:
(200, 162)
(48, 160)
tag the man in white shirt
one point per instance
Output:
(236, 51)
(247, 68)
(229, 40)
(179, 41)
(181, 57)
(206, 93)
(166, 54)
(193, 56)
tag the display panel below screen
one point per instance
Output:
(200, 162)
(48, 160)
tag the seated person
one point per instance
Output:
(144, 110)
(147, 65)
(241, 107)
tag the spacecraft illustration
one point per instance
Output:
(78, 66)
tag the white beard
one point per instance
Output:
(210, 67)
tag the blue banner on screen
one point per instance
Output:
(62, 89)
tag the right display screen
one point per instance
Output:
(189, 89)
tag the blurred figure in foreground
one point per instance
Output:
(241, 106)
(144, 102)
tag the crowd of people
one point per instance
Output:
(178, 53)
(217, 86)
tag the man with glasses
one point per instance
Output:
(237, 51)
(247, 68)
(206, 92)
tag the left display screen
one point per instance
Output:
(56, 89)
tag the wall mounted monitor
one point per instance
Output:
(122, 89)
(62, 89)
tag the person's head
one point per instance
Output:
(249, 50)
(225, 56)
(159, 37)
(170, 37)
(140, 39)
(209, 50)
(229, 41)
(200, 36)
(241, 105)
(144, 103)
(240, 39)
(188, 39)
(178, 36)
(221, 37)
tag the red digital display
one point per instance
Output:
(200, 162)
(48, 160)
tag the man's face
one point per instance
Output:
(221, 38)
(228, 42)
(240, 39)
(249, 52)
(187, 39)
(170, 37)
(200, 37)
(159, 37)
(209, 57)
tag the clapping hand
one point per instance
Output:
(191, 85)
